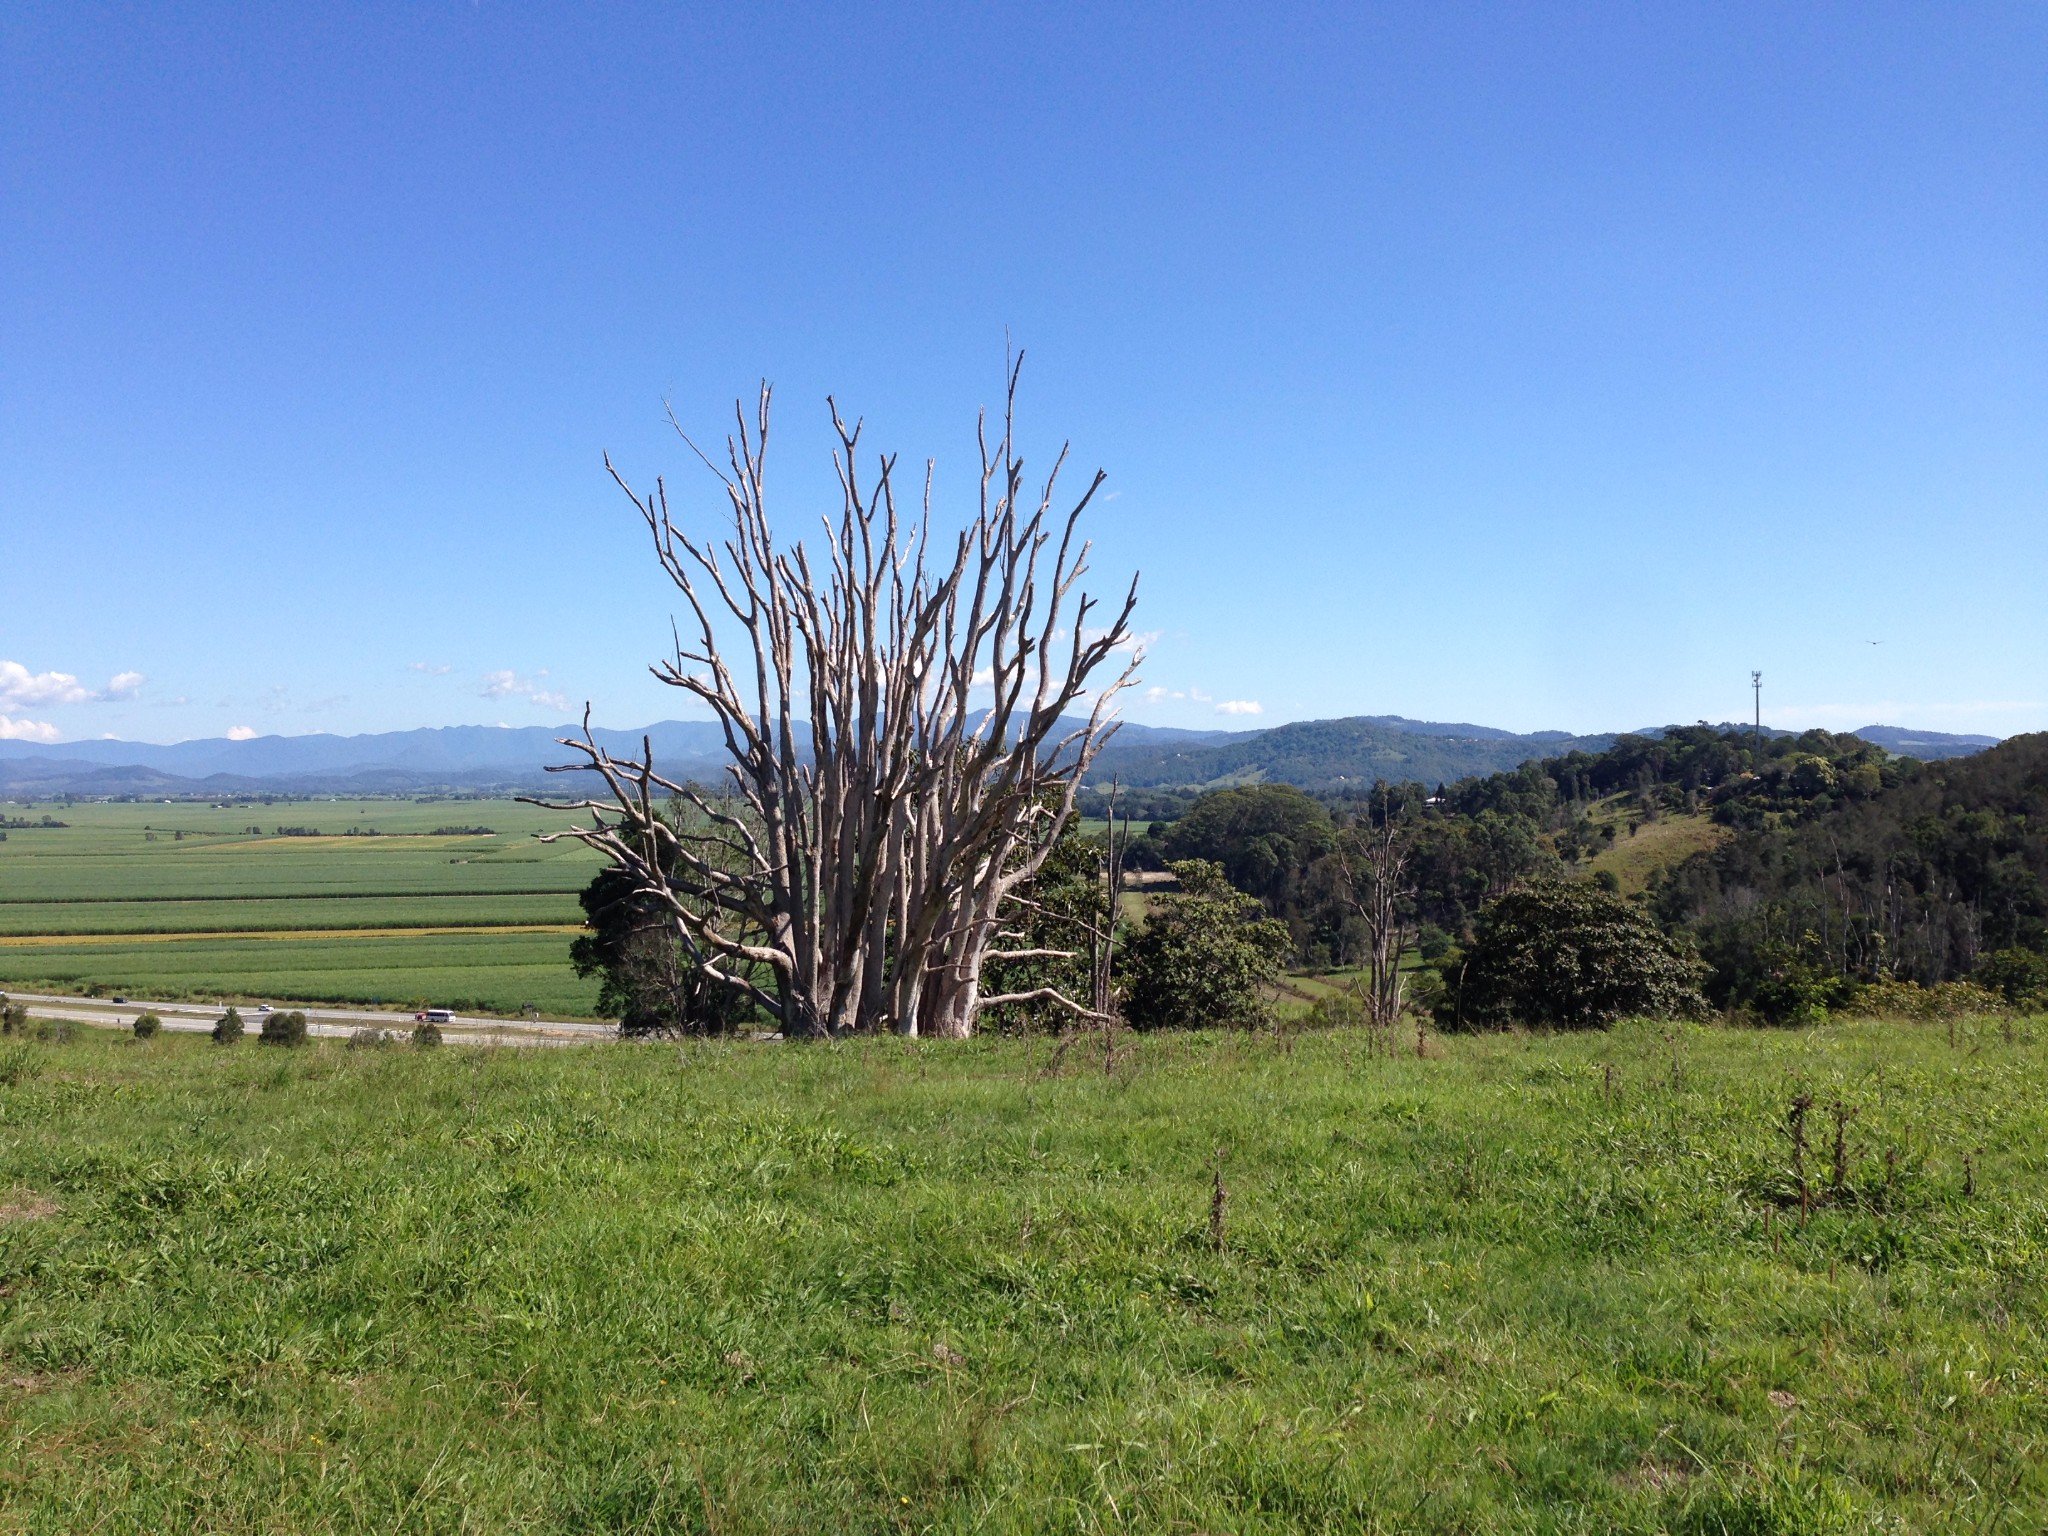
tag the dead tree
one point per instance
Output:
(884, 813)
(1374, 860)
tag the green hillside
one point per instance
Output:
(1336, 755)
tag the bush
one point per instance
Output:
(2020, 976)
(369, 1037)
(1795, 983)
(1890, 999)
(426, 1034)
(147, 1025)
(284, 1028)
(1342, 1009)
(13, 1017)
(1202, 957)
(1569, 956)
(19, 1063)
(227, 1029)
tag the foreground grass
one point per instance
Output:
(878, 1287)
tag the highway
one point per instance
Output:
(329, 1023)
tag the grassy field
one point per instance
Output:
(427, 909)
(1524, 1285)
(1661, 844)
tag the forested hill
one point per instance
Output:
(1926, 880)
(1326, 756)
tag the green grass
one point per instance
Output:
(878, 1287)
(261, 914)
(124, 870)
(1654, 845)
(480, 971)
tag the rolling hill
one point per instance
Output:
(1326, 756)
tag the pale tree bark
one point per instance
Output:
(884, 812)
(1374, 860)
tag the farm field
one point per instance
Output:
(179, 901)
(1527, 1284)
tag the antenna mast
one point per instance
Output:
(1756, 738)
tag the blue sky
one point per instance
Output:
(1543, 366)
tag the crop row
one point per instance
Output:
(478, 970)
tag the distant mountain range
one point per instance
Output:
(475, 759)
(1930, 745)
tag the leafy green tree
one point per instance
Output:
(648, 981)
(1264, 836)
(147, 1025)
(426, 1034)
(227, 1029)
(1792, 983)
(1569, 956)
(13, 1016)
(1202, 957)
(2020, 976)
(285, 1028)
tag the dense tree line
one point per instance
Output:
(1472, 842)
(1938, 876)
(1844, 866)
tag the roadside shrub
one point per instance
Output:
(147, 1025)
(1564, 955)
(54, 1031)
(369, 1037)
(13, 1016)
(227, 1029)
(284, 1028)
(425, 1033)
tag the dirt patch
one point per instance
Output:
(1651, 1475)
(25, 1205)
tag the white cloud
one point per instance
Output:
(1156, 695)
(19, 686)
(508, 684)
(429, 668)
(26, 730)
(241, 733)
(1240, 707)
